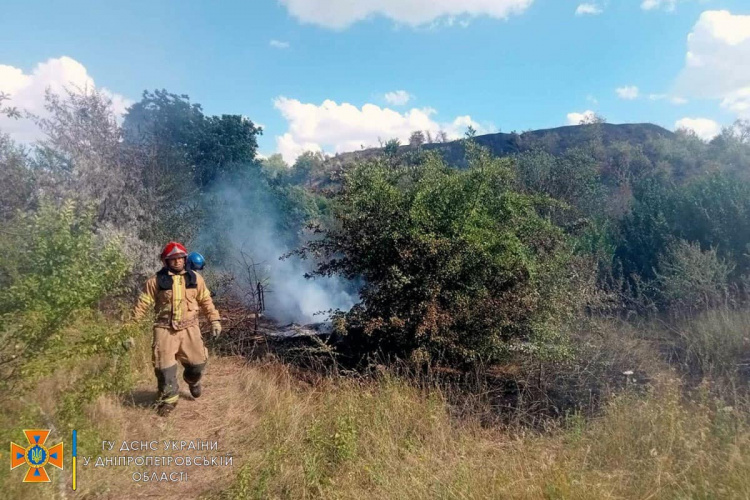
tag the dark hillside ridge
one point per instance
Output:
(554, 141)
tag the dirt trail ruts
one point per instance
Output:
(222, 414)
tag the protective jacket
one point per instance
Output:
(176, 299)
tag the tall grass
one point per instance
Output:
(715, 345)
(387, 439)
(60, 398)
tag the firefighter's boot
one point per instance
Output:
(192, 375)
(167, 385)
(164, 409)
(196, 390)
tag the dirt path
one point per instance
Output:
(223, 414)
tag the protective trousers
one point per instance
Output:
(171, 346)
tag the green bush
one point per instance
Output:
(689, 279)
(711, 212)
(571, 177)
(456, 264)
(58, 268)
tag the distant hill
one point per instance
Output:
(554, 140)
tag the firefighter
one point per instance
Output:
(176, 295)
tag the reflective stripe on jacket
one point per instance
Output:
(176, 306)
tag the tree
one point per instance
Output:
(592, 119)
(167, 124)
(645, 231)
(715, 212)
(228, 143)
(416, 138)
(275, 166)
(16, 178)
(307, 166)
(81, 157)
(712, 212)
(391, 147)
(9, 111)
(180, 134)
(572, 177)
(730, 150)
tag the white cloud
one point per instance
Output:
(339, 14)
(27, 92)
(577, 118)
(591, 9)
(398, 98)
(738, 102)
(716, 63)
(667, 5)
(628, 93)
(334, 128)
(703, 127)
(676, 100)
(278, 44)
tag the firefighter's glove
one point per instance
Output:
(215, 328)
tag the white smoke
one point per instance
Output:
(251, 219)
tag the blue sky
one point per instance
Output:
(506, 69)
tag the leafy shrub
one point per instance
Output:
(456, 264)
(691, 279)
(58, 268)
(711, 212)
(571, 177)
(647, 230)
(715, 211)
(16, 178)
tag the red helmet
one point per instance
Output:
(173, 250)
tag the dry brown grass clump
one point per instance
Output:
(386, 439)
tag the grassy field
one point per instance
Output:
(386, 439)
(383, 437)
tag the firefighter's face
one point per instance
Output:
(177, 264)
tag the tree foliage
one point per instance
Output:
(197, 146)
(690, 279)
(465, 261)
(417, 138)
(711, 211)
(17, 179)
(81, 157)
(57, 266)
(456, 265)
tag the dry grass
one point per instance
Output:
(224, 414)
(384, 437)
(714, 344)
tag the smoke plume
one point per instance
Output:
(249, 223)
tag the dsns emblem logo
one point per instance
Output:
(36, 456)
